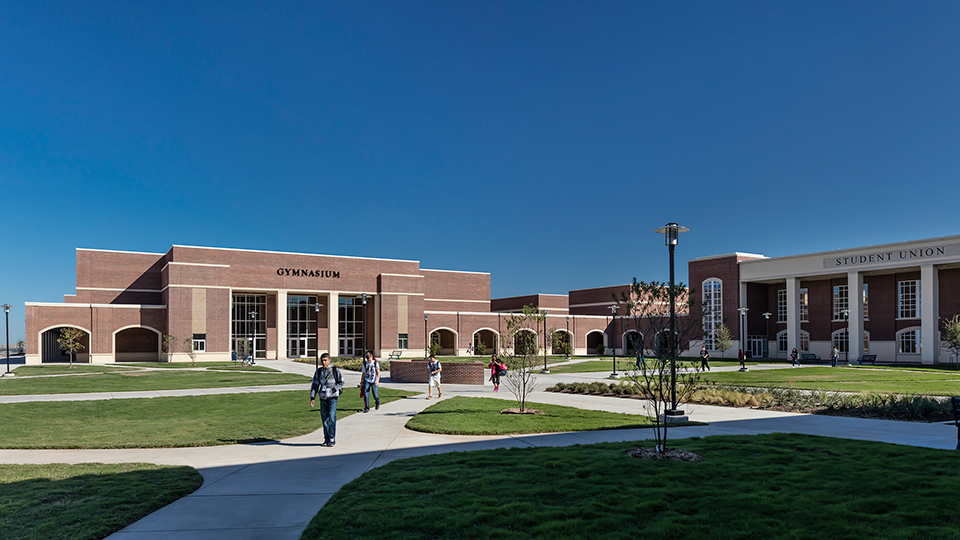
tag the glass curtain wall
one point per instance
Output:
(351, 327)
(301, 326)
(243, 326)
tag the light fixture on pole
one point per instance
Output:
(846, 353)
(6, 312)
(253, 337)
(363, 338)
(671, 233)
(766, 339)
(743, 334)
(426, 344)
(317, 306)
(613, 338)
(567, 337)
(545, 370)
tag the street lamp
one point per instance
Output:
(317, 306)
(253, 337)
(671, 233)
(363, 338)
(545, 370)
(613, 341)
(426, 344)
(6, 312)
(766, 340)
(568, 338)
(846, 353)
(743, 335)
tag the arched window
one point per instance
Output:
(712, 311)
(908, 341)
(782, 343)
(841, 340)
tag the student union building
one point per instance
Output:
(888, 300)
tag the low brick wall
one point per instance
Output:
(415, 371)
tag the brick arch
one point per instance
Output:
(491, 340)
(49, 343)
(135, 345)
(599, 338)
(447, 338)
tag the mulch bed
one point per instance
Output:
(517, 411)
(672, 454)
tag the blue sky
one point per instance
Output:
(540, 142)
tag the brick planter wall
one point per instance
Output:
(453, 372)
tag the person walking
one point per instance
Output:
(794, 358)
(743, 360)
(371, 381)
(435, 368)
(704, 358)
(496, 370)
(834, 357)
(327, 386)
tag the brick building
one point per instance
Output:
(888, 300)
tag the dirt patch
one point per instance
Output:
(672, 454)
(517, 411)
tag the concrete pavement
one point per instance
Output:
(273, 489)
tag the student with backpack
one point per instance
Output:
(327, 386)
(435, 368)
(370, 381)
(497, 370)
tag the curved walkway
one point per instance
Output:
(272, 490)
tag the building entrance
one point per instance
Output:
(297, 347)
(351, 327)
(757, 346)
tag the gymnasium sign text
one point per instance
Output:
(305, 272)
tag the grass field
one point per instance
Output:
(170, 421)
(481, 416)
(845, 379)
(128, 380)
(85, 501)
(766, 486)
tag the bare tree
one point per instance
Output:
(188, 347)
(171, 344)
(656, 377)
(723, 339)
(518, 349)
(69, 341)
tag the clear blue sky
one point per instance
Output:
(540, 142)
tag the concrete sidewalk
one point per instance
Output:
(273, 489)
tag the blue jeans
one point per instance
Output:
(328, 415)
(367, 388)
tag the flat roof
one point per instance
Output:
(859, 248)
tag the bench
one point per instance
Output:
(867, 358)
(956, 417)
(395, 355)
(808, 357)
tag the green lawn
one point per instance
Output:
(748, 487)
(847, 380)
(201, 365)
(85, 501)
(481, 416)
(606, 366)
(170, 421)
(62, 369)
(127, 380)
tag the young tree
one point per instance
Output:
(21, 345)
(723, 339)
(69, 341)
(188, 347)
(171, 345)
(656, 379)
(519, 351)
(951, 334)
(560, 341)
(480, 348)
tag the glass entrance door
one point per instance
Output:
(297, 347)
(756, 345)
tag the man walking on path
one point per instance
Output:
(371, 381)
(704, 359)
(326, 386)
(435, 368)
(834, 357)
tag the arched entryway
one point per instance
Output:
(595, 339)
(50, 350)
(563, 340)
(632, 342)
(488, 339)
(137, 344)
(525, 343)
(447, 339)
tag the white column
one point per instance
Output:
(281, 324)
(855, 322)
(929, 314)
(333, 323)
(793, 315)
(377, 349)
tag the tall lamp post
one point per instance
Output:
(743, 335)
(671, 233)
(568, 338)
(363, 338)
(846, 353)
(426, 344)
(766, 340)
(613, 338)
(545, 370)
(253, 337)
(317, 306)
(6, 312)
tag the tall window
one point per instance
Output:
(908, 342)
(782, 305)
(841, 301)
(866, 312)
(909, 299)
(805, 341)
(712, 311)
(301, 326)
(782, 341)
(248, 320)
(352, 341)
(841, 340)
(804, 309)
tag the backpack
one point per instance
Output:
(501, 370)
